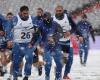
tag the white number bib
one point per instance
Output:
(22, 35)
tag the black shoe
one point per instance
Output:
(9, 79)
(47, 78)
(20, 75)
(81, 62)
(1, 73)
(25, 78)
(39, 71)
(84, 64)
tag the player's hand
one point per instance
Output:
(40, 49)
(2, 33)
(50, 40)
(30, 45)
(81, 39)
(67, 34)
(9, 44)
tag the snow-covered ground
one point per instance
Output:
(92, 69)
(78, 72)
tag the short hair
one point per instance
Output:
(40, 9)
(84, 16)
(47, 14)
(10, 13)
(59, 6)
(24, 8)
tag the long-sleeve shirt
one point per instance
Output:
(54, 30)
(86, 29)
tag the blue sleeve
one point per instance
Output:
(2, 18)
(91, 32)
(90, 26)
(4, 22)
(78, 29)
(33, 19)
(36, 36)
(9, 29)
(35, 25)
(36, 22)
(6, 25)
(14, 21)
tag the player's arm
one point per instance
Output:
(36, 35)
(92, 32)
(58, 32)
(72, 23)
(78, 33)
(75, 28)
(2, 18)
(9, 34)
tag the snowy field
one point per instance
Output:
(90, 72)
(78, 72)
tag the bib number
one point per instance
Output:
(25, 35)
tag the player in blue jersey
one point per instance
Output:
(4, 52)
(37, 20)
(51, 32)
(85, 29)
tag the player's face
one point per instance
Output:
(39, 13)
(25, 13)
(9, 17)
(59, 11)
(46, 18)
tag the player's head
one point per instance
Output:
(59, 10)
(9, 16)
(47, 15)
(24, 12)
(47, 18)
(39, 12)
(84, 17)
